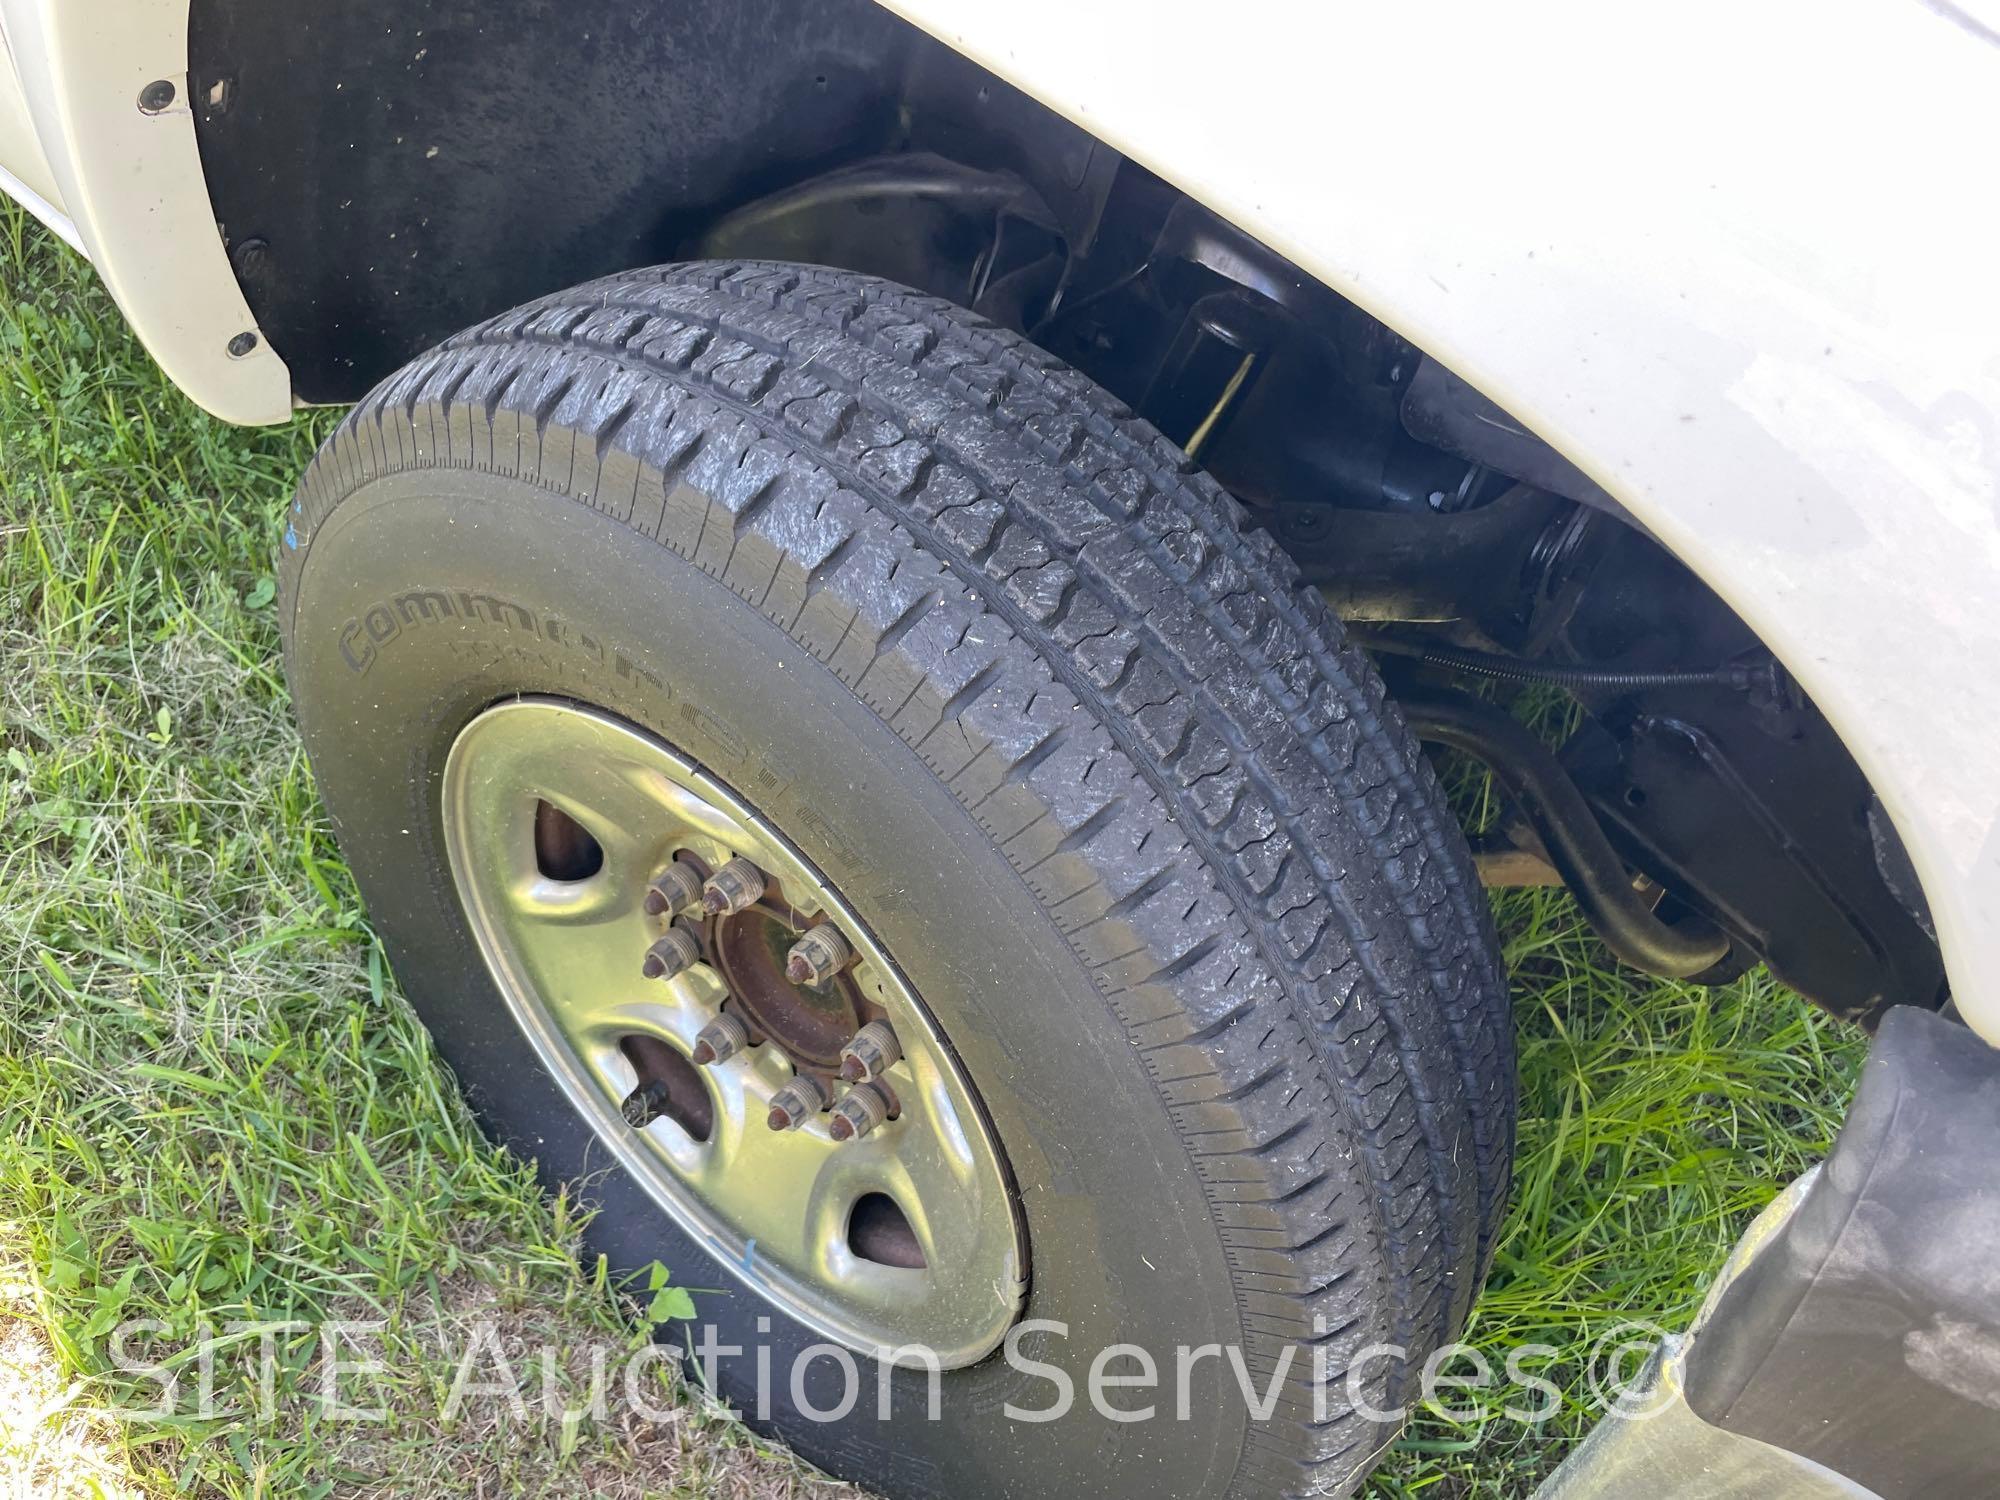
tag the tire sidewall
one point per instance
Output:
(551, 597)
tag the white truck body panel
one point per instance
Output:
(130, 186)
(24, 170)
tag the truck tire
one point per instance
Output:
(1124, 834)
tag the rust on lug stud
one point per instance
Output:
(818, 956)
(718, 1041)
(735, 887)
(675, 951)
(797, 1102)
(872, 1053)
(860, 1110)
(674, 890)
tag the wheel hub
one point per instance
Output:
(810, 1023)
(819, 1137)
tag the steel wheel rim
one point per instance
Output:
(776, 1208)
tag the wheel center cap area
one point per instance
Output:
(810, 1022)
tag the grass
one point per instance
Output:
(219, 1107)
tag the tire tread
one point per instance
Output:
(1170, 739)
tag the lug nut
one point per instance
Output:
(818, 956)
(672, 953)
(735, 887)
(718, 1041)
(644, 1104)
(674, 890)
(797, 1102)
(873, 1051)
(860, 1110)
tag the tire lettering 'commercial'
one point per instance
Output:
(362, 638)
